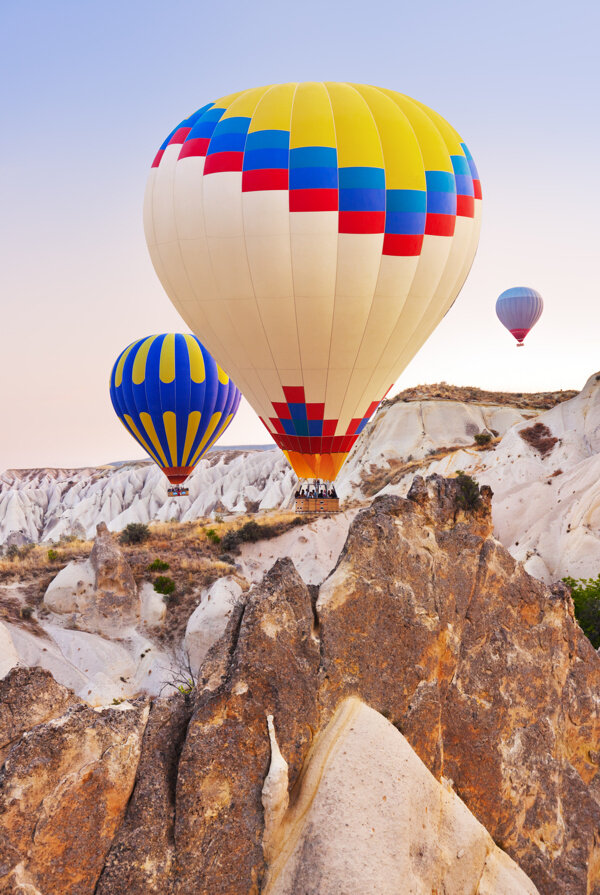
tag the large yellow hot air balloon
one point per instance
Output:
(313, 235)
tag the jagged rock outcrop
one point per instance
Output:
(272, 670)
(481, 667)
(141, 857)
(100, 595)
(64, 789)
(368, 816)
(429, 623)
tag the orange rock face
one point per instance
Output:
(64, 791)
(481, 667)
(428, 620)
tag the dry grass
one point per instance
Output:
(441, 391)
(32, 566)
(194, 564)
(376, 478)
(540, 438)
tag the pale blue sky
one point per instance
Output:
(90, 89)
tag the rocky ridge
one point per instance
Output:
(545, 506)
(476, 677)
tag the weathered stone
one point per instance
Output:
(29, 696)
(272, 670)
(100, 594)
(427, 620)
(64, 789)
(368, 816)
(481, 667)
(141, 857)
(209, 620)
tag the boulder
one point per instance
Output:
(367, 816)
(64, 790)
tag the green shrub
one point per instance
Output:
(159, 565)
(12, 552)
(230, 540)
(483, 438)
(135, 533)
(469, 495)
(52, 555)
(586, 601)
(164, 585)
(251, 531)
(212, 535)
(227, 558)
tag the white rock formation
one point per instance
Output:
(546, 509)
(45, 504)
(367, 816)
(209, 620)
(275, 797)
(9, 656)
(97, 669)
(414, 429)
(314, 549)
(71, 588)
(548, 519)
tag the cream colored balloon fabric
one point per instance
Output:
(313, 235)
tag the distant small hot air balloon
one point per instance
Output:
(519, 309)
(175, 400)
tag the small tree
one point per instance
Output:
(52, 555)
(212, 536)
(469, 495)
(483, 438)
(586, 602)
(134, 533)
(164, 585)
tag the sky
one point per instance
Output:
(88, 91)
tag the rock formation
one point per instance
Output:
(141, 857)
(64, 788)
(426, 640)
(100, 595)
(369, 817)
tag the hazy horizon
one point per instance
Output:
(90, 92)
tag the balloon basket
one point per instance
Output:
(307, 505)
(178, 491)
(520, 345)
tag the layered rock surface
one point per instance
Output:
(429, 626)
(64, 788)
(546, 505)
(357, 822)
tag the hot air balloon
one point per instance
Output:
(313, 235)
(519, 309)
(175, 400)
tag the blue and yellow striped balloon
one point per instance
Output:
(173, 397)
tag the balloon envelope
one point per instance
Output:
(313, 235)
(519, 309)
(175, 400)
